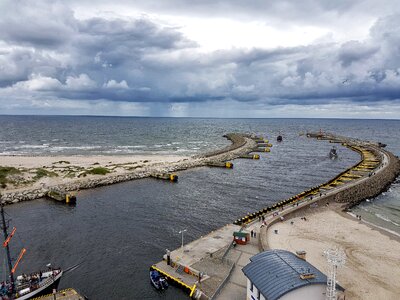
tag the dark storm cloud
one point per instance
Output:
(46, 52)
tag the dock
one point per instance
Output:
(210, 267)
(67, 294)
(61, 196)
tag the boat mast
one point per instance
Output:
(5, 227)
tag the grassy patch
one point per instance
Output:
(4, 172)
(98, 171)
(40, 173)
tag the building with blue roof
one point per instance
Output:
(280, 274)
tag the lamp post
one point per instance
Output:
(181, 232)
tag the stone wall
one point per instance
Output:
(372, 187)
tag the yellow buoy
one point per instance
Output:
(228, 165)
(173, 177)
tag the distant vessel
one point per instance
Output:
(158, 281)
(279, 138)
(26, 286)
(333, 154)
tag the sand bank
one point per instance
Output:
(372, 269)
(84, 161)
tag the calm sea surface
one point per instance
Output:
(118, 231)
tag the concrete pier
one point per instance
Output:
(67, 294)
(219, 263)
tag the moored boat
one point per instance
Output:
(25, 286)
(157, 280)
(333, 154)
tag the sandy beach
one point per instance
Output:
(84, 161)
(37, 171)
(372, 268)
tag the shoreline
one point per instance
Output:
(36, 161)
(373, 257)
(74, 173)
(383, 230)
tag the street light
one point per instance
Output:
(181, 232)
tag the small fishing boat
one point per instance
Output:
(279, 138)
(25, 286)
(333, 154)
(157, 280)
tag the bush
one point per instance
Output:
(4, 172)
(43, 173)
(98, 171)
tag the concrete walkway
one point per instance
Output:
(235, 288)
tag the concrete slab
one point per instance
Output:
(238, 278)
(203, 247)
(67, 294)
(244, 259)
(182, 276)
(232, 291)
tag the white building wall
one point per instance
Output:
(252, 295)
(309, 292)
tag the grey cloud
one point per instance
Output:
(137, 60)
(44, 24)
(355, 51)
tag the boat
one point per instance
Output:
(333, 154)
(157, 280)
(279, 138)
(25, 286)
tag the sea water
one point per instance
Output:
(118, 231)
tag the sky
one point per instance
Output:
(206, 58)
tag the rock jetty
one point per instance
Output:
(242, 144)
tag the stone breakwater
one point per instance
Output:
(370, 185)
(377, 181)
(241, 144)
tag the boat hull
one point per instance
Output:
(46, 289)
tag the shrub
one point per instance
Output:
(98, 171)
(4, 172)
(43, 173)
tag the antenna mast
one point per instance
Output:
(5, 227)
(336, 258)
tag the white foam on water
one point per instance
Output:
(385, 218)
(374, 225)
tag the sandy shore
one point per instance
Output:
(41, 171)
(372, 269)
(84, 161)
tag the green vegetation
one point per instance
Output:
(98, 171)
(4, 172)
(40, 172)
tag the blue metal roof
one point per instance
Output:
(277, 272)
